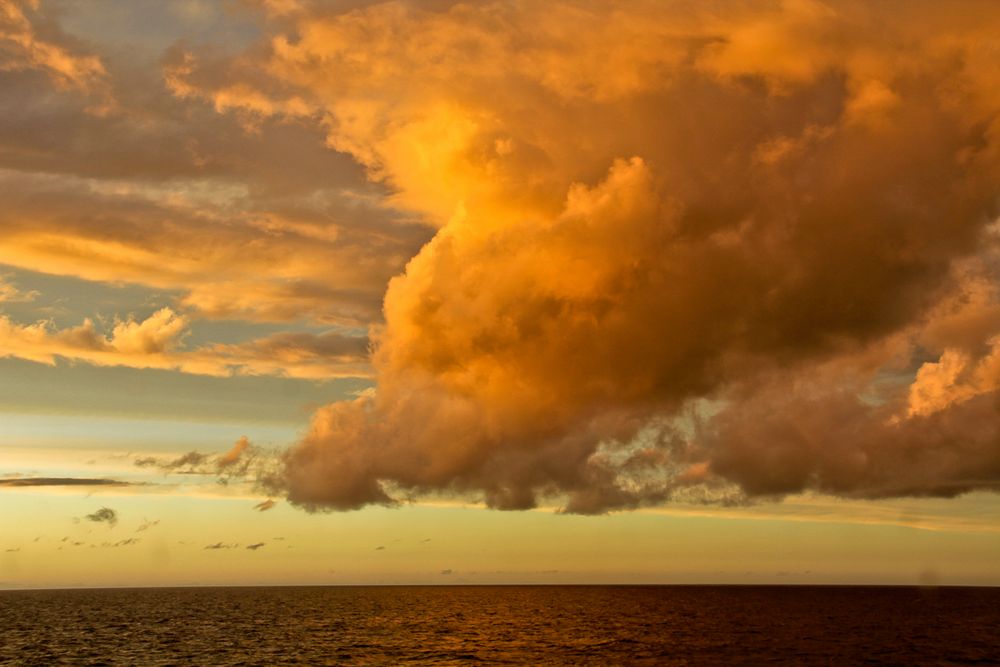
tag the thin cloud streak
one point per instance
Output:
(20, 482)
(156, 342)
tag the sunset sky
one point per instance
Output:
(349, 292)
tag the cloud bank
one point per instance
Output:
(681, 251)
(688, 251)
(108, 176)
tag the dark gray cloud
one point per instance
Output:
(146, 525)
(62, 481)
(243, 461)
(104, 515)
(188, 463)
(121, 543)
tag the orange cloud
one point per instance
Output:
(276, 266)
(700, 250)
(670, 237)
(156, 342)
(21, 47)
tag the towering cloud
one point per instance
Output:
(697, 250)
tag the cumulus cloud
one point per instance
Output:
(713, 261)
(699, 251)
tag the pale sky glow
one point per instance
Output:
(360, 292)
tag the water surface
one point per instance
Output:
(502, 625)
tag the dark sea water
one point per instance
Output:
(502, 625)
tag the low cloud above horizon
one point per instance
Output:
(594, 256)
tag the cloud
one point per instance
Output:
(255, 546)
(221, 545)
(670, 250)
(146, 525)
(190, 462)
(690, 272)
(269, 265)
(60, 481)
(10, 294)
(264, 505)
(244, 462)
(232, 457)
(104, 515)
(121, 543)
(22, 47)
(108, 176)
(156, 343)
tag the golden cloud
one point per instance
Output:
(699, 250)
(22, 47)
(156, 342)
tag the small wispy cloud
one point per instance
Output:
(61, 481)
(242, 462)
(9, 293)
(233, 456)
(104, 515)
(255, 546)
(265, 505)
(121, 543)
(186, 463)
(221, 545)
(146, 525)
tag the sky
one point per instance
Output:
(357, 292)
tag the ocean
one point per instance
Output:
(502, 625)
